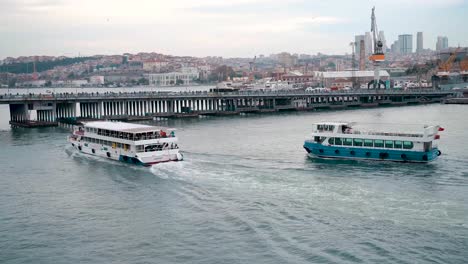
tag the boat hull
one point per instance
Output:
(341, 152)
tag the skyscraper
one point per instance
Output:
(405, 42)
(368, 42)
(384, 41)
(419, 45)
(395, 48)
(362, 56)
(442, 43)
(357, 40)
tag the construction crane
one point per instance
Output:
(353, 63)
(446, 66)
(377, 56)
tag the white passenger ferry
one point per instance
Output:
(342, 140)
(132, 143)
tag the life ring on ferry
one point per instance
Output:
(108, 154)
(439, 152)
(321, 150)
(368, 154)
(424, 157)
(352, 152)
(404, 157)
(337, 151)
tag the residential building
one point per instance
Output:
(154, 65)
(96, 80)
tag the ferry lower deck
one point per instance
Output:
(342, 152)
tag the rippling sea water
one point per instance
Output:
(246, 193)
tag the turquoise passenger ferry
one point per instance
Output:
(341, 140)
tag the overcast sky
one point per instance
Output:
(228, 28)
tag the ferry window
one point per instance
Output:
(139, 148)
(398, 144)
(368, 142)
(358, 142)
(338, 141)
(348, 141)
(378, 143)
(317, 139)
(408, 145)
(331, 141)
(389, 143)
(320, 139)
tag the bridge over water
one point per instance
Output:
(36, 109)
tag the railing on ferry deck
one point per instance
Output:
(373, 133)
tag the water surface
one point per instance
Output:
(246, 193)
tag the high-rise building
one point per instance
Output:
(405, 42)
(384, 41)
(442, 43)
(395, 47)
(419, 42)
(362, 56)
(357, 40)
(368, 42)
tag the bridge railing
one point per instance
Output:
(203, 94)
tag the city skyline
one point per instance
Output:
(237, 29)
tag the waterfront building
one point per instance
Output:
(405, 42)
(295, 77)
(329, 79)
(186, 76)
(419, 43)
(442, 43)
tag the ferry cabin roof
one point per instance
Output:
(125, 127)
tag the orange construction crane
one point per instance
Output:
(446, 66)
(464, 65)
